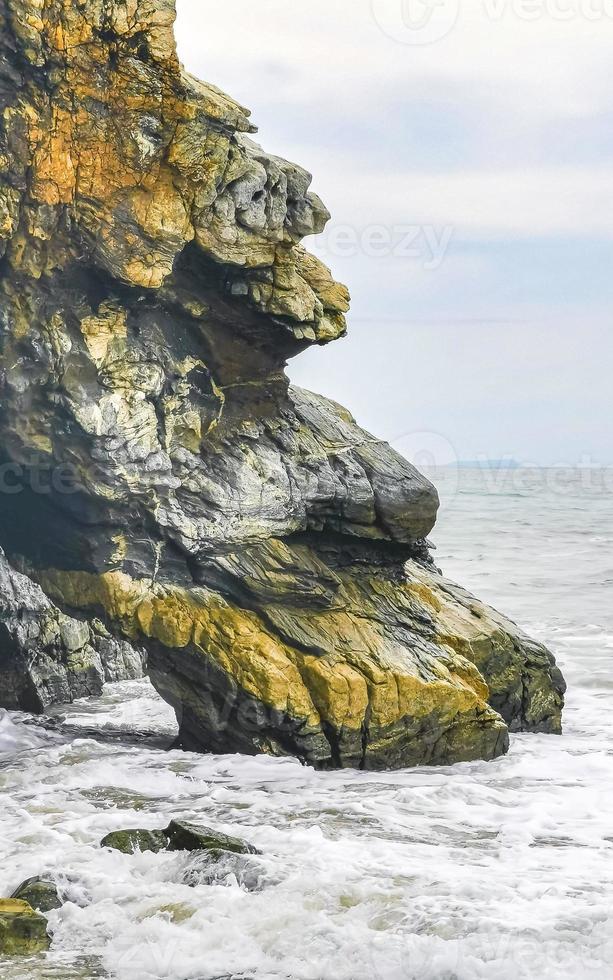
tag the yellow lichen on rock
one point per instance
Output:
(9, 211)
(234, 638)
(53, 168)
(105, 333)
(341, 692)
(23, 932)
(125, 136)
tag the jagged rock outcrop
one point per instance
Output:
(268, 552)
(47, 657)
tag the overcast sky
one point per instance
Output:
(464, 148)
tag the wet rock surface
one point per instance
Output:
(185, 836)
(268, 553)
(47, 657)
(22, 931)
(226, 868)
(129, 841)
(40, 893)
(180, 835)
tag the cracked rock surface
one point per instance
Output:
(268, 553)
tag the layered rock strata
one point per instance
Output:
(268, 552)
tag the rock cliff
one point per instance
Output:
(160, 472)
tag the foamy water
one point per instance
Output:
(497, 870)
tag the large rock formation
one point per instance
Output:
(268, 552)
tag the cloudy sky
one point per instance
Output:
(465, 150)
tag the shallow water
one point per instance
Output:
(484, 870)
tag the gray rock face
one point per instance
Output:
(121, 661)
(47, 657)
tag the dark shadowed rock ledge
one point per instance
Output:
(267, 552)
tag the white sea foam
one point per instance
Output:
(500, 871)
(15, 737)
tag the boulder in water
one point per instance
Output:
(130, 841)
(180, 835)
(40, 893)
(186, 836)
(23, 931)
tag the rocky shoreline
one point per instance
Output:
(267, 555)
(24, 930)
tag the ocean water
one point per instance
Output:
(497, 870)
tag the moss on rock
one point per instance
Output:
(185, 836)
(40, 893)
(23, 932)
(130, 841)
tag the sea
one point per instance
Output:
(499, 870)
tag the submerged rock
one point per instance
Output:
(180, 835)
(22, 931)
(267, 552)
(226, 868)
(130, 841)
(184, 836)
(40, 893)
